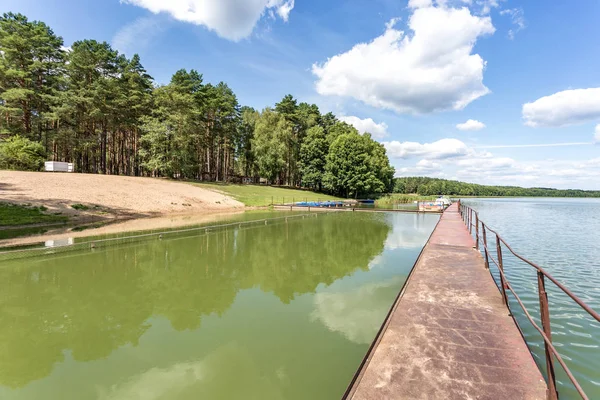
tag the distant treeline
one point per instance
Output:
(434, 186)
(97, 108)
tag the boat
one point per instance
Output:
(326, 204)
(443, 201)
(438, 205)
(366, 201)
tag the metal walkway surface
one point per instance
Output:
(449, 335)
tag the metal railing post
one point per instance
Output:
(485, 248)
(501, 266)
(477, 231)
(545, 317)
(471, 221)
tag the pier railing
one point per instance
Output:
(471, 219)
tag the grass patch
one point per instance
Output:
(403, 199)
(258, 195)
(17, 215)
(79, 207)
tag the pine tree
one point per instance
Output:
(31, 64)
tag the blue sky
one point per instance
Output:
(509, 73)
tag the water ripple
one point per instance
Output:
(552, 233)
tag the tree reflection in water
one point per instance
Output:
(88, 304)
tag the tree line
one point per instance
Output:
(435, 186)
(94, 107)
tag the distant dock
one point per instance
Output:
(292, 207)
(449, 335)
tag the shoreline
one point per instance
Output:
(165, 221)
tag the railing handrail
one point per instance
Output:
(547, 275)
(545, 331)
(155, 233)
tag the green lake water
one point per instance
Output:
(282, 310)
(561, 235)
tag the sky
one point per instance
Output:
(485, 91)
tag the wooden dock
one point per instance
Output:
(290, 207)
(449, 335)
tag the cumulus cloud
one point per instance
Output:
(486, 162)
(597, 134)
(471, 125)
(419, 3)
(458, 161)
(429, 69)
(378, 131)
(445, 148)
(230, 19)
(564, 108)
(425, 164)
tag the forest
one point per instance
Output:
(434, 186)
(97, 108)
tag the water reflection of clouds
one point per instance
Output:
(409, 233)
(156, 383)
(205, 378)
(357, 314)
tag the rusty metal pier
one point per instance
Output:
(449, 335)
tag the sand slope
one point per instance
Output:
(116, 196)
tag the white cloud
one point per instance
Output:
(597, 134)
(230, 19)
(353, 313)
(487, 163)
(419, 3)
(285, 9)
(425, 164)
(487, 5)
(523, 146)
(136, 35)
(517, 17)
(429, 69)
(445, 148)
(470, 164)
(563, 108)
(367, 125)
(471, 125)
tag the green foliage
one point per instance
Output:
(19, 153)
(16, 215)
(312, 158)
(80, 207)
(247, 164)
(271, 134)
(396, 198)
(357, 166)
(100, 110)
(435, 186)
(31, 59)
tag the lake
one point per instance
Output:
(283, 309)
(561, 235)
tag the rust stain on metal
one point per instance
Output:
(450, 336)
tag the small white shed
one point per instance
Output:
(57, 166)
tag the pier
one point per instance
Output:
(449, 334)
